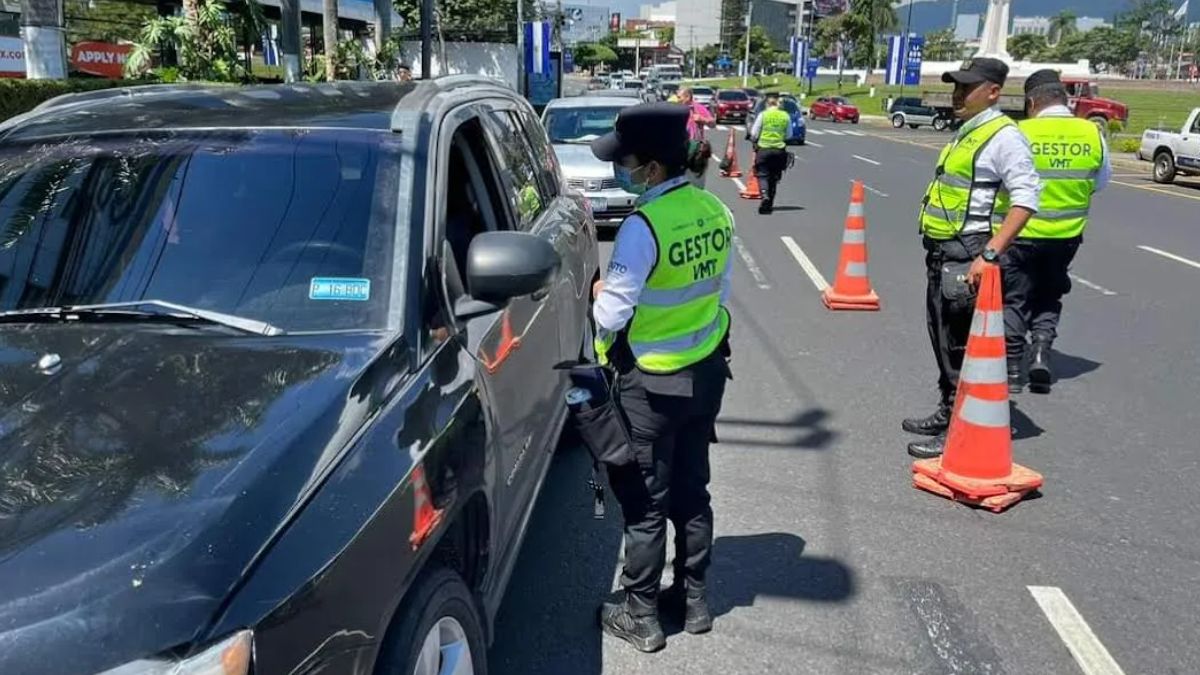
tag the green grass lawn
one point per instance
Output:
(1147, 109)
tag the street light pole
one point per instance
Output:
(746, 61)
(426, 39)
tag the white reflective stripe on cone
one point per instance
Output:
(855, 210)
(984, 413)
(854, 237)
(988, 324)
(856, 269)
(980, 370)
(669, 297)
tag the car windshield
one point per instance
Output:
(839, 101)
(580, 125)
(789, 106)
(294, 228)
(701, 91)
(732, 96)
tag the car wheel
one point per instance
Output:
(855, 121)
(1164, 168)
(439, 631)
(897, 121)
(940, 124)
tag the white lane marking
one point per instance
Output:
(1089, 652)
(873, 190)
(809, 268)
(815, 132)
(854, 133)
(1092, 285)
(722, 127)
(1172, 256)
(738, 182)
(831, 132)
(868, 160)
(755, 271)
(815, 145)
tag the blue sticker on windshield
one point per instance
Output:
(339, 288)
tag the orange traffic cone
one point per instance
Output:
(851, 287)
(752, 190)
(732, 170)
(976, 467)
(425, 517)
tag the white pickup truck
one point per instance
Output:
(1173, 153)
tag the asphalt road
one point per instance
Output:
(827, 560)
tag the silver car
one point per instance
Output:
(573, 123)
(707, 97)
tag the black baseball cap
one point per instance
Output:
(652, 131)
(1042, 78)
(978, 70)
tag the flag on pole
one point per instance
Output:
(895, 60)
(799, 51)
(270, 47)
(1183, 10)
(537, 47)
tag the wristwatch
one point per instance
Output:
(990, 255)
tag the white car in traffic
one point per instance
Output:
(572, 124)
(1173, 153)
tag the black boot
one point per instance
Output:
(641, 630)
(928, 449)
(691, 604)
(933, 425)
(1040, 375)
(1016, 379)
(766, 207)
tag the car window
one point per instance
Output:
(295, 228)
(840, 101)
(535, 133)
(580, 126)
(733, 96)
(789, 106)
(529, 197)
(1196, 125)
(702, 91)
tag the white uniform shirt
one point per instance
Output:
(1106, 171)
(1008, 159)
(634, 254)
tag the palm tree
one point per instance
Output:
(881, 17)
(330, 12)
(1062, 25)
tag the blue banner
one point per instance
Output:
(811, 70)
(914, 53)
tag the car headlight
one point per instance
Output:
(230, 656)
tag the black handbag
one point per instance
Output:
(598, 417)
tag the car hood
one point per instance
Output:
(141, 477)
(578, 161)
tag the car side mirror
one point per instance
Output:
(502, 266)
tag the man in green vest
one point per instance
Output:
(984, 175)
(661, 324)
(1072, 159)
(769, 135)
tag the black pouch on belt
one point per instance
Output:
(955, 290)
(598, 419)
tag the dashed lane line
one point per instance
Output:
(809, 268)
(738, 182)
(815, 145)
(760, 279)
(854, 133)
(1171, 256)
(1149, 188)
(868, 160)
(873, 190)
(815, 132)
(1074, 631)
(1092, 285)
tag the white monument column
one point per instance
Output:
(995, 31)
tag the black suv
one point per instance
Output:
(910, 112)
(277, 385)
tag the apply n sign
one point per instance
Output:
(100, 58)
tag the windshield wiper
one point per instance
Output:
(145, 310)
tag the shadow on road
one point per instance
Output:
(547, 622)
(1067, 367)
(789, 208)
(808, 431)
(773, 565)
(1023, 427)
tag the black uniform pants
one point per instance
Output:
(769, 165)
(1035, 281)
(949, 321)
(671, 435)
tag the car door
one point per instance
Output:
(521, 358)
(1188, 155)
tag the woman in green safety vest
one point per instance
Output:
(662, 326)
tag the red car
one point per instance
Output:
(732, 104)
(835, 109)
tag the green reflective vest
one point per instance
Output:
(775, 125)
(1068, 153)
(679, 320)
(947, 204)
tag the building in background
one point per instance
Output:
(1085, 23)
(582, 23)
(967, 27)
(778, 18)
(1031, 25)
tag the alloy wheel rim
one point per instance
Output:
(445, 650)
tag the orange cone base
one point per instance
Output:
(992, 494)
(863, 303)
(731, 174)
(750, 195)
